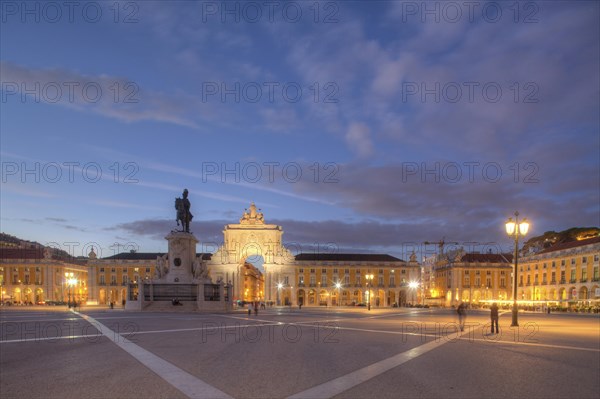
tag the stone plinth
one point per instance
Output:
(182, 254)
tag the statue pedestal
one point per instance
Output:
(182, 254)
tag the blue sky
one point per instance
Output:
(359, 126)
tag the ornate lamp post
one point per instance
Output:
(338, 285)
(369, 278)
(279, 287)
(413, 285)
(71, 281)
(514, 229)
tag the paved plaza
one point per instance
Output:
(286, 352)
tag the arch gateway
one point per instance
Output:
(245, 242)
(311, 279)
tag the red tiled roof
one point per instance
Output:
(485, 258)
(347, 257)
(572, 244)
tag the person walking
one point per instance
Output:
(494, 316)
(462, 315)
(256, 308)
(249, 309)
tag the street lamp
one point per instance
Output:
(369, 278)
(514, 229)
(338, 285)
(413, 285)
(279, 287)
(71, 281)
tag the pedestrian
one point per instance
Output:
(256, 308)
(494, 316)
(462, 315)
(249, 308)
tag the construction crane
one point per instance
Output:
(441, 244)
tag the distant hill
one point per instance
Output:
(550, 238)
(10, 243)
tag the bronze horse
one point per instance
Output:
(182, 205)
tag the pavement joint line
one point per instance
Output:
(343, 383)
(71, 337)
(567, 347)
(183, 381)
(202, 328)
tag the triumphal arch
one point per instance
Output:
(247, 242)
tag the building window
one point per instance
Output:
(502, 273)
(113, 279)
(466, 272)
(381, 280)
(489, 272)
(323, 271)
(584, 259)
(102, 282)
(301, 271)
(300, 279)
(536, 266)
(573, 275)
(286, 280)
(553, 278)
(596, 274)
(147, 270)
(358, 279)
(124, 279)
(346, 280)
(544, 278)
(584, 274)
(596, 257)
(101, 270)
(312, 270)
(467, 280)
(488, 282)
(335, 271)
(544, 265)
(572, 261)
(477, 272)
(563, 262)
(502, 282)
(323, 280)
(392, 280)
(380, 271)
(535, 279)
(113, 270)
(563, 277)
(313, 279)
(403, 271)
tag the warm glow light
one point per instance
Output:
(510, 227)
(279, 285)
(524, 227)
(413, 284)
(338, 285)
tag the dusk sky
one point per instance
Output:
(362, 126)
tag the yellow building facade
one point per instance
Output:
(473, 278)
(564, 275)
